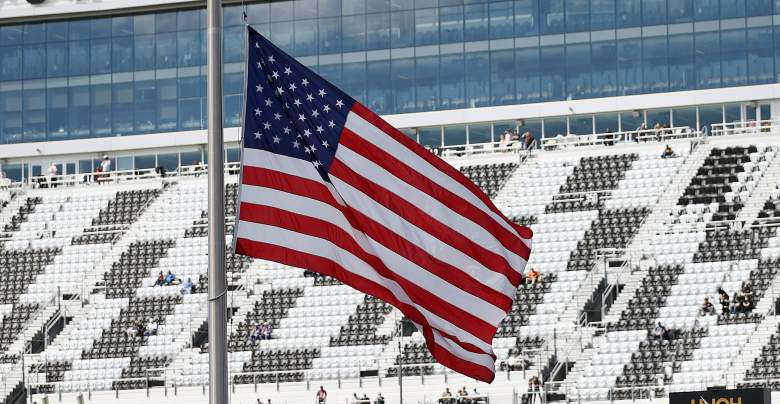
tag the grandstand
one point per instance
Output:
(624, 239)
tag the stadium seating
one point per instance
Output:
(683, 228)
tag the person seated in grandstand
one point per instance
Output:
(707, 308)
(322, 395)
(255, 333)
(747, 290)
(160, 280)
(529, 141)
(169, 279)
(660, 332)
(734, 305)
(668, 153)
(746, 306)
(463, 396)
(186, 287)
(266, 330)
(446, 397)
(151, 328)
(515, 361)
(131, 331)
(533, 277)
(140, 328)
(380, 399)
(725, 302)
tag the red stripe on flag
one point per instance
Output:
(438, 163)
(407, 174)
(420, 219)
(336, 235)
(375, 230)
(328, 267)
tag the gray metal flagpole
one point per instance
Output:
(218, 371)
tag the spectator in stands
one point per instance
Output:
(131, 331)
(746, 306)
(255, 333)
(534, 390)
(734, 305)
(266, 330)
(105, 165)
(140, 328)
(322, 395)
(747, 290)
(529, 141)
(516, 361)
(379, 398)
(724, 301)
(160, 280)
(169, 278)
(609, 139)
(640, 131)
(659, 332)
(668, 153)
(51, 173)
(151, 328)
(533, 277)
(186, 287)
(446, 397)
(161, 171)
(707, 308)
(463, 396)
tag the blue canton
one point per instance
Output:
(290, 110)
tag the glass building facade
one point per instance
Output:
(144, 73)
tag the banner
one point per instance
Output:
(737, 396)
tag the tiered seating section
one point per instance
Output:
(98, 250)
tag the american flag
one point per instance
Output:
(328, 185)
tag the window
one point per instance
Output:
(631, 120)
(305, 38)
(552, 73)
(734, 69)
(604, 69)
(680, 11)
(654, 12)
(330, 35)
(681, 65)
(551, 16)
(629, 13)
(705, 9)
(684, 117)
(377, 31)
(452, 77)
(454, 135)
(581, 125)
(427, 83)
(34, 61)
(480, 133)
(658, 116)
(426, 26)
(709, 115)
(402, 32)
(100, 56)
(528, 75)
(10, 62)
(577, 15)
(502, 77)
(501, 19)
(578, 71)
(78, 56)
(451, 24)
(430, 136)
(526, 17)
(144, 52)
(478, 84)
(145, 162)
(606, 123)
(760, 55)
(354, 80)
(655, 65)
(101, 109)
(57, 111)
(79, 105)
(554, 127)
(169, 161)
(403, 85)
(602, 14)
(476, 22)
(354, 33)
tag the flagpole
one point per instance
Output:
(218, 377)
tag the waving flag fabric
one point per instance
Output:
(329, 186)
